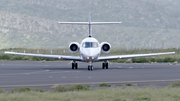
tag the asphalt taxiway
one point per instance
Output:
(36, 74)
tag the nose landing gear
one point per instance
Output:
(90, 66)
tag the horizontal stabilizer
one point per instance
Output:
(91, 23)
(77, 23)
(101, 23)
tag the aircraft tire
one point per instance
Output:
(91, 67)
(103, 65)
(106, 65)
(72, 65)
(76, 65)
(88, 67)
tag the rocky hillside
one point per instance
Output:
(33, 23)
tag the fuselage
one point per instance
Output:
(90, 49)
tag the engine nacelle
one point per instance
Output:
(74, 47)
(105, 47)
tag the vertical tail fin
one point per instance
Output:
(90, 25)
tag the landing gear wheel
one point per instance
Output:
(76, 65)
(106, 65)
(103, 65)
(72, 65)
(91, 67)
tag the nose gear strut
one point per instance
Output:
(90, 66)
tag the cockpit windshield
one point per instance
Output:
(90, 45)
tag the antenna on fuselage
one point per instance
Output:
(89, 23)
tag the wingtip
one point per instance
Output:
(171, 52)
(6, 52)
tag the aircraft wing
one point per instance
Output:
(104, 58)
(76, 58)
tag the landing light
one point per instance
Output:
(59, 57)
(90, 58)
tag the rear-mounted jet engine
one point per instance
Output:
(74, 47)
(105, 47)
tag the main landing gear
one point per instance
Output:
(74, 65)
(105, 65)
(90, 66)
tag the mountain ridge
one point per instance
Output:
(33, 23)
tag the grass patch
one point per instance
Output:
(72, 88)
(175, 84)
(104, 85)
(136, 84)
(118, 100)
(24, 89)
(119, 85)
(142, 99)
(5, 57)
(128, 84)
(16, 57)
(174, 63)
(139, 60)
(106, 94)
(43, 61)
(1, 91)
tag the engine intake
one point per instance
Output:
(105, 47)
(74, 48)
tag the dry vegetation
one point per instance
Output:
(102, 94)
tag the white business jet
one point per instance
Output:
(90, 49)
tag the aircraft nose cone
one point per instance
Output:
(91, 53)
